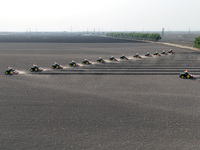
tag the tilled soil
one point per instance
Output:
(128, 104)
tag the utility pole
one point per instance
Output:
(163, 31)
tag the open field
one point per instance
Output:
(134, 104)
(180, 38)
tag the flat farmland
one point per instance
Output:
(128, 104)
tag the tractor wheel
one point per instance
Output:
(57, 67)
(188, 76)
(36, 69)
(182, 77)
(31, 70)
(74, 65)
(52, 67)
(11, 72)
(6, 72)
(87, 63)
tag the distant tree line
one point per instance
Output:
(197, 42)
(134, 35)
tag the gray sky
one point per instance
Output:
(104, 15)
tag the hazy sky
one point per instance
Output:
(104, 15)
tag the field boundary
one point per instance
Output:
(164, 43)
(175, 45)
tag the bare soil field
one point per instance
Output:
(128, 104)
(180, 38)
(51, 37)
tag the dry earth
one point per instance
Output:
(134, 104)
